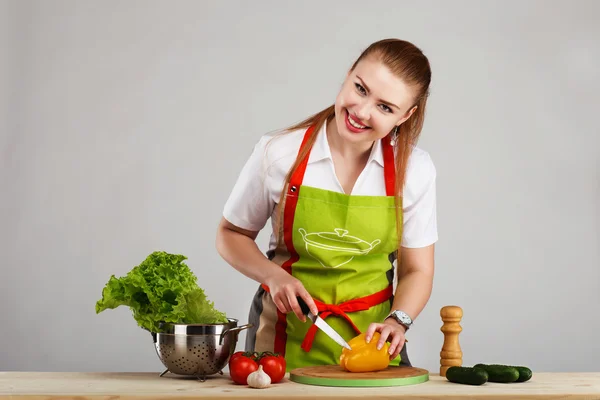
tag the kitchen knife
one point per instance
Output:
(322, 325)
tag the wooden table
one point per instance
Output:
(149, 386)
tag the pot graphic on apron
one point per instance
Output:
(334, 249)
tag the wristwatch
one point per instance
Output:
(401, 317)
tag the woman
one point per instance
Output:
(348, 193)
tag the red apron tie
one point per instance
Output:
(360, 304)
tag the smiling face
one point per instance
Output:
(372, 102)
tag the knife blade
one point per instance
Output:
(322, 325)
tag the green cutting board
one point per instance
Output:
(334, 375)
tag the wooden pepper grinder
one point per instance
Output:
(451, 354)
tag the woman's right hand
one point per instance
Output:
(284, 288)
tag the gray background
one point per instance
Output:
(125, 125)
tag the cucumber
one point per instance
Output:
(467, 375)
(525, 373)
(499, 373)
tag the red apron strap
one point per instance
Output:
(288, 223)
(389, 166)
(360, 304)
(298, 175)
(291, 201)
(290, 205)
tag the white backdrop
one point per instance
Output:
(125, 125)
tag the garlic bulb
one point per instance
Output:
(259, 379)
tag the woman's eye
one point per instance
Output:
(386, 108)
(360, 88)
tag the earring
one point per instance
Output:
(394, 136)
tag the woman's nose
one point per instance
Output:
(363, 111)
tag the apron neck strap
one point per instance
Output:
(389, 166)
(298, 175)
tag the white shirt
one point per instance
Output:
(256, 193)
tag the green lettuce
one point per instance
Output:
(161, 289)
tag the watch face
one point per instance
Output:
(405, 319)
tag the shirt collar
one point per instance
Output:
(321, 149)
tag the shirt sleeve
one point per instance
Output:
(250, 205)
(419, 208)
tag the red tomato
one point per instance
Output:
(273, 365)
(254, 356)
(236, 355)
(240, 367)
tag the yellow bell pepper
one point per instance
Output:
(364, 357)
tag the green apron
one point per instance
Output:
(341, 248)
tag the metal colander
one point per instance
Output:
(197, 349)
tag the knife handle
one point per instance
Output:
(303, 305)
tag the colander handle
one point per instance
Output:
(236, 330)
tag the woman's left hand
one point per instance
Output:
(390, 331)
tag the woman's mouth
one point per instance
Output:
(353, 125)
